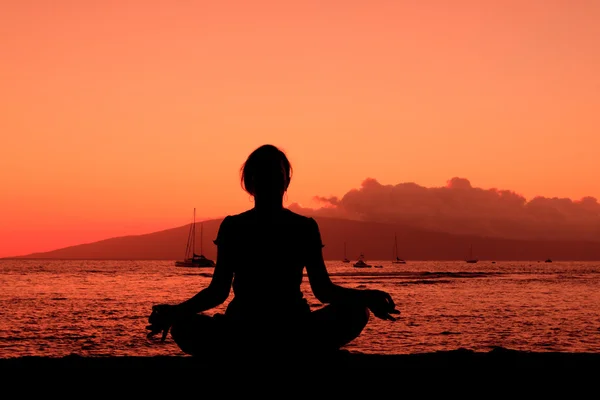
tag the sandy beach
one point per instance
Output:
(496, 358)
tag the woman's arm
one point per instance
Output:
(322, 287)
(215, 293)
(218, 290)
(164, 315)
(378, 301)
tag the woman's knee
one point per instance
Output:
(179, 331)
(188, 332)
(182, 335)
(356, 316)
(359, 315)
(339, 324)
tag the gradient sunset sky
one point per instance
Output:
(120, 117)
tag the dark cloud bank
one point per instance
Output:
(460, 208)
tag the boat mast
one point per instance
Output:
(194, 235)
(187, 245)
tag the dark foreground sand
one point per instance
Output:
(501, 358)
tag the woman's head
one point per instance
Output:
(266, 172)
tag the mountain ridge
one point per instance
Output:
(374, 239)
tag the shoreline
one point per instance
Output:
(498, 357)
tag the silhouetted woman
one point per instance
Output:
(262, 253)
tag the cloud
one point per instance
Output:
(459, 207)
(334, 201)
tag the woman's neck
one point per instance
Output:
(268, 205)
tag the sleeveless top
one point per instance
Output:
(268, 259)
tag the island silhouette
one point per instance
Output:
(375, 240)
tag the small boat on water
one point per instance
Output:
(471, 259)
(397, 260)
(196, 261)
(191, 259)
(361, 263)
(345, 260)
(548, 260)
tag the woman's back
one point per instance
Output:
(267, 256)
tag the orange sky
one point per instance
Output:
(119, 117)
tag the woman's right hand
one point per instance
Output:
(380, 303)
(160, 320)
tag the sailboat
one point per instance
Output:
(361, 262)
(191, 259)
(397, 260)
(471, 259)
(345, 260)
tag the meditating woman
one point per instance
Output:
(262, 253)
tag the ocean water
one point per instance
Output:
(100, 308)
